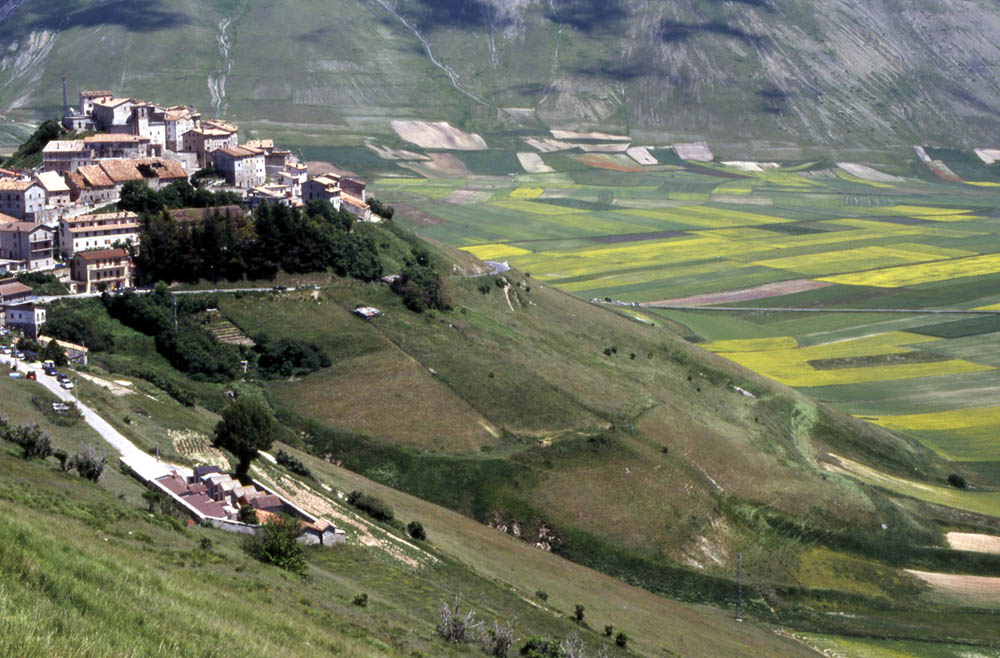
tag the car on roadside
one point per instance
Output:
(62, 377)
(67, 384)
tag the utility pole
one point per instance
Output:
(175, 312)
(739, 586)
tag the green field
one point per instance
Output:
(676, 236)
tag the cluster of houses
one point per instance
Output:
(50, 219)
(214, 497)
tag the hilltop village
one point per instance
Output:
(61, 218)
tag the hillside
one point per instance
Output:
(751, 77)
(599, 438)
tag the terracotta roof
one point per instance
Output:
(103, 254)
(267, 502)
(94, 176)
(219, 124)
(9, 173)
(239, 152)
(7, 219)
(260, 143)
(121, 170)
(95, 94)
(114, 138)
(161, 168)
(14, 227)
(14, 185)
(15, 288)
(206, 505)
(174, 483)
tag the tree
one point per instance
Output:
(247, 427)
(276, 542)
(54, 352)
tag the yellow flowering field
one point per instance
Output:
(911, 275)
(495, 251)
(962, 434)
(791, 366)
(620, 279)
(526, 193)
(944, 420)
(846, 260)
(704, 217)
(536, 208)
(752, 344)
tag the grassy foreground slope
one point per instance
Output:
(88, 572)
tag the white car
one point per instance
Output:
(67, 385)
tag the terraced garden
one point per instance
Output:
(889, 243)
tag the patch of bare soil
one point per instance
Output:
(867, 173)
(758, 292)
(603, 148)
(697, 151)
(318, 168)
(417, 215)
(546, 145)
(974, 590)
(463, 197)
(969, 541)
(988, 156)
(611, 161)
(641, 155)
(572, 134)
(116, 389)
(389, 153)
(367, 533)
(437, 135)
(533, 164)
(441, 165)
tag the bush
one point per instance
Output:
(361, 600)
(292, 463)
(205, 544)
(609, 630)
(578, 612)
(371, 505)
(276, 542)
(542, 594)
(33, 441)
(89, 463)
(541, 647)
(284, 357)
(499, 640)
(621, 640)
(454, 626)
(957, 481)
(416, 530)
(247, 514)
(63, 458)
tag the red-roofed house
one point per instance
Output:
(100, 270)
(118, 145)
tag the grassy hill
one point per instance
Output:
(748, 76)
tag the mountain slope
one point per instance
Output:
(844, 74)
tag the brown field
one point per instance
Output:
(697, 151)
(318, 168)
(641, 155)
(546, 145)
(462, 197)
(437, 135)
(441, 165)
(389, 153)
(533, 164)
(609, 161)
(968, 541)
(969, 591)
(572, 134)
(757, 292)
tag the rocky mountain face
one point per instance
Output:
(837, 73)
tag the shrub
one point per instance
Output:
(33, 441)
(499, 640)
(542, 594)
(292, 463)
(541, 647)
(416, 530)
(276, 542)
(247, 514)
(578, 612)
(89, 463)
(572, 647)
(621, 640)
(205, 543)
(284, 357)
(454, 626)
(957, 481)
(609, 630)
(63, 458)
(361, 600)
(371, 505)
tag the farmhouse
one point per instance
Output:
(100, 270)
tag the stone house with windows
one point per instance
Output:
(27, 317)
(101, 231)
(29, 245)
(111, 113)
(21, 198)
(326, 187)
(56, 189)
(100, 270)
(91, 186)
(113, 145)
(64, 155)
(210, 136)
(178, 120)
(241, 166)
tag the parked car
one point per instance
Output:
(62, 377)
(67, 385)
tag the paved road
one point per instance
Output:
(144, 464)
(146, 291)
